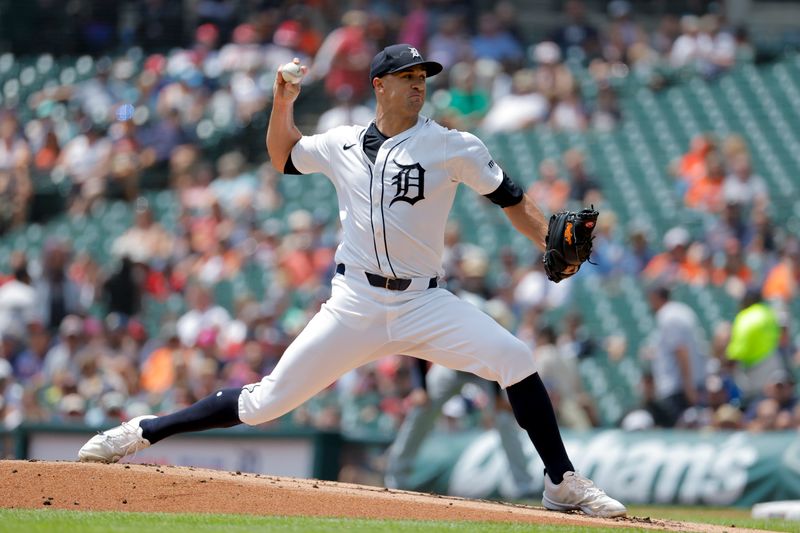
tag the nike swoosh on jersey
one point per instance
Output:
(348, 146)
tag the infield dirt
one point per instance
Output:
(156, 488)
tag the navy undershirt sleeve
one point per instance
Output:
(507, 194)
(289, 168)
(419, 369)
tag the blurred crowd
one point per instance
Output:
(76, 342)
(743, 374)
(102, 127)
(76, 347)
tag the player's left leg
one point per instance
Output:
(454, 333)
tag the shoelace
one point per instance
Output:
(587, 485)
(133, 444)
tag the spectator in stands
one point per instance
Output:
(637, 252)
(582, 183)
(535, 291)
(608, 251)
(569, 113)
(731, 270)
(495, 42)
(18, 304)
(161, 138)
(450, 44)
(302, 258)
(344, 56)
(675, 352)
(732, 146)
(783, 279)
(56, 294)
(730, 225)
(728, 418)
(563, 379)
(146, 241)
(710, 410)
(126, 162)
(753, 344)
(521, 109)
(774, 410)
(122, 290)
(161, 369)
(692, 165)
(15, 184)
(86, 159)
(646, 65)
(234, 186)
(623, 31)
(29, 362)
(554, 80)
(745, 49)
(577, 37)
(468, 101)
(185, 94)
(742, 186)
(14, 150)
(414, 28)
(11, 412)
(762, 244)
(575, 341)
(203, 314)
(49, 148)
(605, 114)
(718, 48)
(550, 190)
(669, 28)
(346, 111)
(303, 35)
(687, 48)
(705, 194)
(62, 355)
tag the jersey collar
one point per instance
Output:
(403, 135)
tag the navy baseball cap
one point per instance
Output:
(399, 57)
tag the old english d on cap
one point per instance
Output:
(399, 57)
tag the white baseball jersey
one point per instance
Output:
(393, 213)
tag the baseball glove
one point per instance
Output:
(568, 242)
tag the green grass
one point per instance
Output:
(102, 522)
(724, 516)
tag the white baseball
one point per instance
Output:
(292, 73)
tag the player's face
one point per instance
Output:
(404, 90)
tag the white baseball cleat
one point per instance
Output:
(576, 492)
(112, 445)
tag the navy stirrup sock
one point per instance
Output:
(534, 412)
(219, 410)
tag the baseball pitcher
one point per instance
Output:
(395, 181)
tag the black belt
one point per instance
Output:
(393, 284)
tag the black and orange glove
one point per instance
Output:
(568, 242)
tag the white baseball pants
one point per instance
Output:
(361, 323)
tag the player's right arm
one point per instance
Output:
(282, 133)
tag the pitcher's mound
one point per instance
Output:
(152, 488)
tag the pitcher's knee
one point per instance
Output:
(261, 402)
(515, 362)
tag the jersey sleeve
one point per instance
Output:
(471, 163)
(311, 154)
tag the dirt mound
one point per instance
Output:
(146, 488)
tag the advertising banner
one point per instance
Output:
(662, 467)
